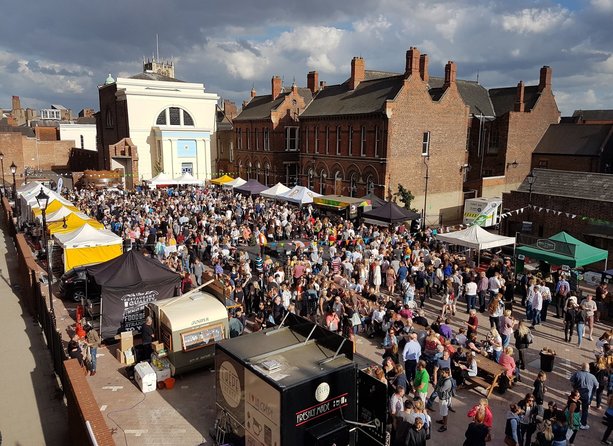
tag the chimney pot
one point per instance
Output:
(412, 62)
(450, 73)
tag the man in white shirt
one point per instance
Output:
(537, 306)
(589, 307)
(470, 291)
(411, 355)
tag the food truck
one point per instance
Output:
(294, 384)
(190, 326)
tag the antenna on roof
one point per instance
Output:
(477, 76)
(157, 46)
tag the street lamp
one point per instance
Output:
(531, 179)
(43, 201)
(427, 177)
(3, 190)
(14, 171)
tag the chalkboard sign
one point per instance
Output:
(201, 337)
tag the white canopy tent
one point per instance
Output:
(88, 245)
(64, 212)
(161, 179)
(299, 195)
(25, 188)
(234, 183)
(187, 179)
(475, 237)
(275, 191)
(28, 201)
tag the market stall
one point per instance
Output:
(187, 179)
(129, 282)
(222, 180)
(375, 201)
(348, 207)
(388, 214)
(189, 326)
(88, 246)
(275, 191)
(251, 187)
(160, 180)
(299, 195)
(71, 223)
(234, 183)
(475, 237)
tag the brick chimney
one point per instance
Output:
(450, 73)
(16, 103)
(357, 72)
(322, 85)
(276, 87)
(294, 88)
(545, 81)
(423, 68)
(412, 64)
(519, 99)
(230, 109)
(313, 81)
(253, 93)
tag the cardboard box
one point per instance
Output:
(120, 356)
(126, 340)
(157, 346)
(162, 374)
(129, 357)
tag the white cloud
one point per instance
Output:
(603, 5)
(536, 21)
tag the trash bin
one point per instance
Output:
(547, 360)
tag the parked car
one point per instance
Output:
(76, 284)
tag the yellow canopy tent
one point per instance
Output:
(73, 221)
(88, 246)
(52, 207)
(222, 180)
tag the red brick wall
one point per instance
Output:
(412, 114)
(82, 407)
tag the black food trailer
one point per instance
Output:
(290, 385)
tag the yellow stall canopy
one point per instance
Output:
(53, 207)
(88, 246)
(63, 212)
(222, 180)
(73, 222)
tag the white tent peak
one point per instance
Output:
(276, 190)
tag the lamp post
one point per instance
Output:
(14, 171)
(43, 201)
(531, 179)
(427, 177)
(3, 189)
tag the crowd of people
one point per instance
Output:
(275, 258)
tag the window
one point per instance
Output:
(291, 138)
(239, 139)
(353, 185)
(306, 140)
(310, 175)
(266, 173)
(109, 119)
(219, 148)
(248, 139)
(257, 140)
(377, 140)
(327, 140)
(322, 180)
(50, 113)
(231, 151)
(338, 183)
(249, 170)
(493, 142)
(338, 140)
(316, 139)
(266, 139)
(187, 168)
(370, 185)
(82, 141)
(258, 171)
(543, 164)
(175, 116)
(425, 144)
(350, 140)
(363, 141)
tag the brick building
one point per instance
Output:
(268, 135)
(436, 136)
(225, 139)
(501, 143)
(579, 203)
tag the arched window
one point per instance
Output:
(174, 116)
(249, 170)
(353, 185)
(338, 183)
(266, 173)
(310, 176)
(322, 181)
(258, 171)
(370, 185)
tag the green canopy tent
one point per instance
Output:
(563, 249)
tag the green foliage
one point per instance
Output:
(404, 196)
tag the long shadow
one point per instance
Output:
(50, 407)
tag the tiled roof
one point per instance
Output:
(146, 76)
(24, 130)
(562, 183)
(260, 106)
(223, 122)
(594, 115)
(503, 99)
(575, 139)
(474, 95)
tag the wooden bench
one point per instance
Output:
(478, 381)
(492, 369)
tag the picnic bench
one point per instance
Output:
(492, 371)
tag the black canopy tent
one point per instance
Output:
(389, 213)
(251, 187)
(129, 282)
(375, 201)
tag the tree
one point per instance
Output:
(404, 196)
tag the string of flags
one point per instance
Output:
(537, 209)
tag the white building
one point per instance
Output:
(171, 123)
(83, 135)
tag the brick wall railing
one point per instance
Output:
(82, 407)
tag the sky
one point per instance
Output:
(58, 52)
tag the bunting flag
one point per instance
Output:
(590, 220)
